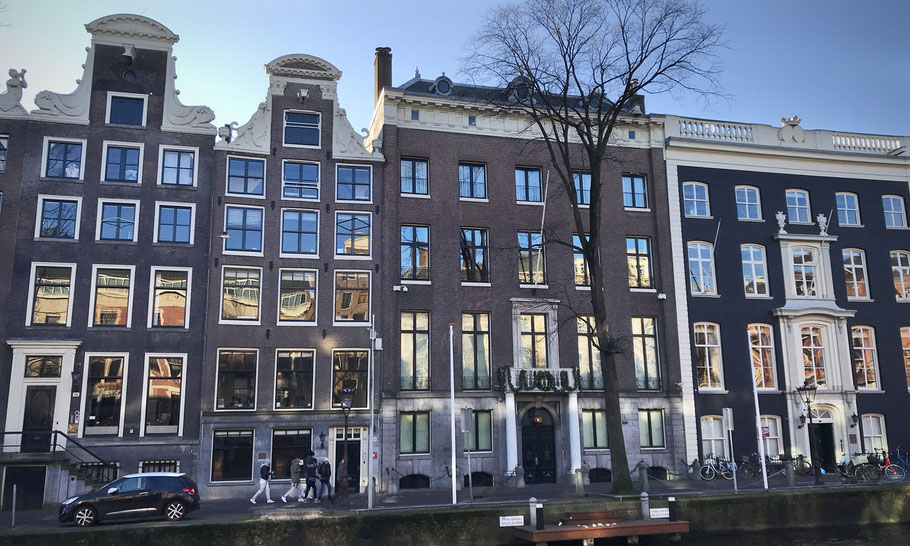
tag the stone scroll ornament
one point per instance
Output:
(781, 221)
(10, 99)
(541, 380)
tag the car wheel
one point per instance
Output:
(175, 510)
(85, 516)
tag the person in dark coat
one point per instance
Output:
(265, 474)
(295, 481)
(309, 469)
(324, 470)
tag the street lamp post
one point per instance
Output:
(807, 394)
(347, 399)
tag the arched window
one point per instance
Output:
(893, 205)
(804, 272)
(748, 203)
(695, 199)
(847, 209)
(707, 356)
(798, 211)
(701, 269)
(874, 438)
(864, 358)
(755, 281)
(813, 341)
(761, 348)
(900, 271)
(713, 436)
(905, 348)
(855, 273)
(770, 434)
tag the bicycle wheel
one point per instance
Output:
(894, 473)
(867, 473)
(747, 471)
(707, 472)
(725, 471)
(803, 468)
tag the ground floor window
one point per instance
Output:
(232, 455)
(165, 465)
(414, 434)
(651, 427)
(594, 427)
(770, 433)
(874, 432)
(713, 440)
(288, 444)
(482, 437)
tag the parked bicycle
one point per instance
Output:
(882, 466)
(901, 459)
(857, 470)
(750, 466)
(714, 466)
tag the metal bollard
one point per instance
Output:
(532, 507)
(645, 506)
(540, 520)
(791, 480)
(671, 504)
(643, 475)
(13, 522)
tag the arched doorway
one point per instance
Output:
(821, 437)
(537, 446)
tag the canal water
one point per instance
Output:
(890, 535)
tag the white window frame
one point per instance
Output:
(132, 292)
(372, 189)
(848, 195)
(750, 347)
(284, 162)
(902, 212)
(284, 126)
(816, 273)
(191, 206)
(823, 336)
(765, 420)
(713, 291)
(757, 203)
(275, 380)
(335, 321)
(335, 237)
(903, 269)
(145, 107)
(281, 252)
(173, 148)
(39, 215)
(866, 365)
(145, 386)
(121, 144)
(85, 395)
(253, 475)
(218, 351)
(808, 207)
(752, 263)
(706, 201)
(31, 291)
(222, 320)
(103, 201)
(46, 149)
(224, 228)
(189, 288)
(854, 266)
(313, 322)
(711, 421)
(227, 175)
(867, 418)
(719, 365)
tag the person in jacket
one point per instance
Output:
(324, 471)
(265, 474)
(295, 481)
(309, 469)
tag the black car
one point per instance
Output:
(168, 494)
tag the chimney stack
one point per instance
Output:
(382, 69)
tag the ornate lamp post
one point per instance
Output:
(347, 400)
(807, 394)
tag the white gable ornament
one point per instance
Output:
(179, 117)
(790, 130)
(72, 107)
(10, 99)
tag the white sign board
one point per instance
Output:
(514, 521)
(660, 513)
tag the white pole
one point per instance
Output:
(761, 442)
(452, 404)
(372, 385)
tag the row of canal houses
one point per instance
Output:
(181, 297)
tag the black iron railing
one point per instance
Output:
(89, 463)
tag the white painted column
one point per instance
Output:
(574, 440)
(511, 434)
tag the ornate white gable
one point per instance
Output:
(133, 29)
(179, 117)
(302, 66)
(72, 107)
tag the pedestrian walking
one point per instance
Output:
(265, 474)
(295, 482)
(324, 472)
(309, 469)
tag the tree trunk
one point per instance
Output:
(622, 480)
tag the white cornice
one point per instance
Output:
(136, 30)
(299, 66)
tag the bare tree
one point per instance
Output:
(573, 69)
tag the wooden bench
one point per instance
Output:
(586, 526)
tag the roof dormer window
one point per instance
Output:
(442, 85)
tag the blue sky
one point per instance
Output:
(838, 64)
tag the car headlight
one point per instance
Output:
(70, 500)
